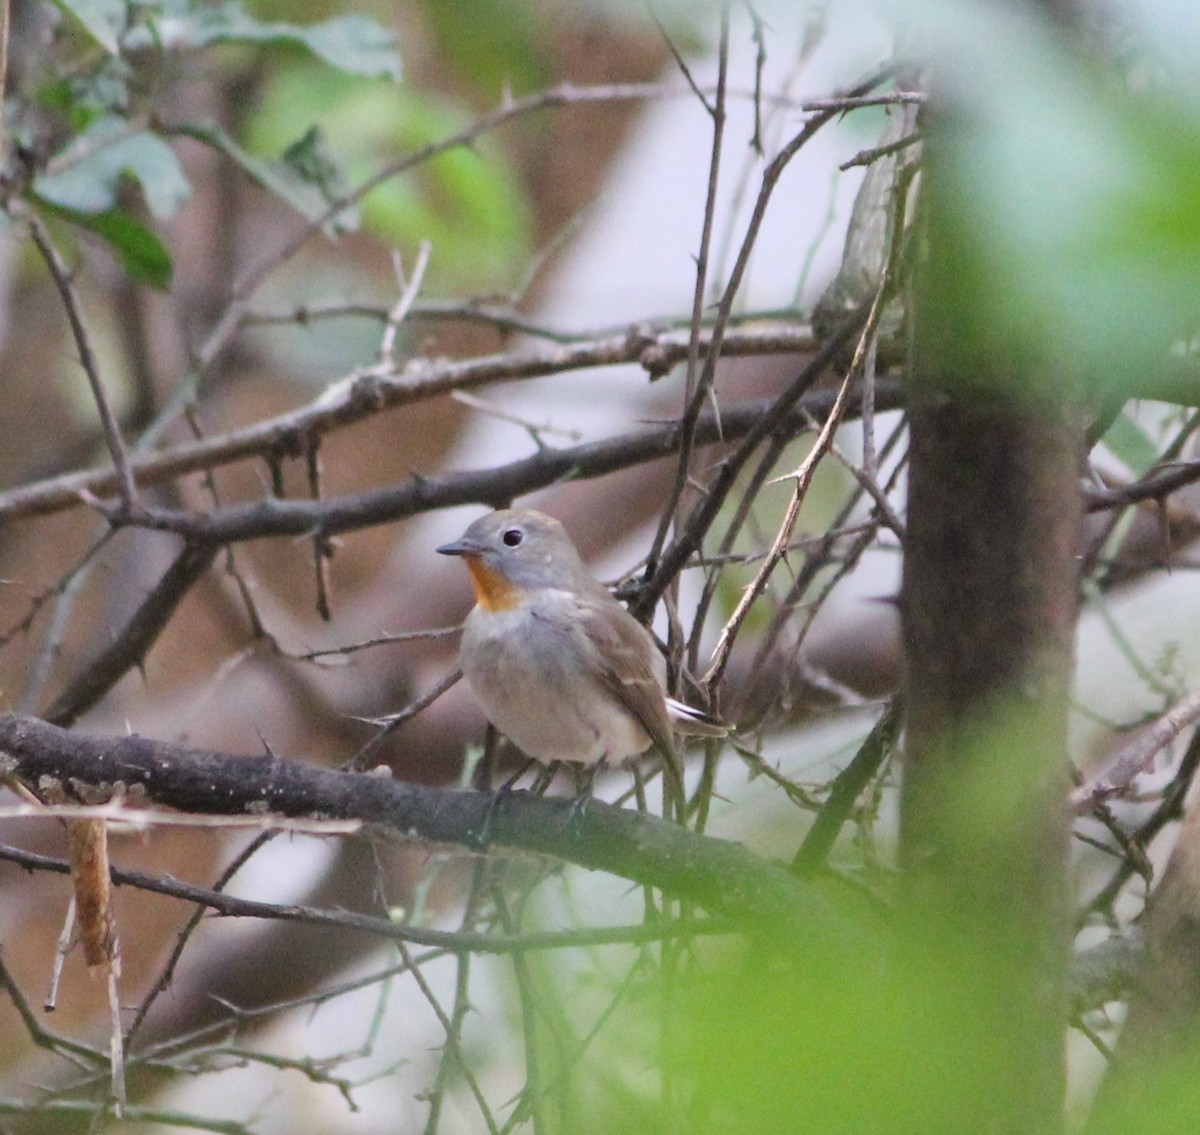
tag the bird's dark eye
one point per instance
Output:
(513, 537)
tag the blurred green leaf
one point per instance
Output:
(467, 202)
(140, 253)
(491, 44)
(355, 43)
(308, 180)
(1069, 202)
(89, 95)
(103, 20)
(311, 161)
(87, 176)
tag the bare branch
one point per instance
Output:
(695, 388)
(129, 648)
(498, 485)
(770, 178)
(126, 487)
(687, 541)
(723, 877)
(374, 389)
(1136, 754)
(856, 102)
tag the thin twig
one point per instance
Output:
(536, 430)
(379, 640)
(657, 579)
(394, 721)
(509, 110)
(43, 1038)
(130, 646)
(681, 63)
(126, 487)
(409, 290)
(866, 157)
(452, 1049)
(447, 941)
(803, 478)
(694, 393)
(775, 419)
(167, 974)
(1136, 754)
(64, 592)
(846, 788)
(855, 102)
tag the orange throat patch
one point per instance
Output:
(492, 591)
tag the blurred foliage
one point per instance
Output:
(1070, 191)
(331, 112)
(105, 133)
(491, 44)
(1070, 202)
(467, 202)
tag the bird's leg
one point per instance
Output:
(545, 778)
(579, 805)
(498, 797)
(674, 789)
(511, 782)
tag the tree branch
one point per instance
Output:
(449, 941)
(376, 388)
(723, 877)
(495, 486)
(129, 648)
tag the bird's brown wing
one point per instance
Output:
(624, 661)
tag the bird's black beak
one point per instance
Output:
(458, 548)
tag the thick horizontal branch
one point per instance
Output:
(495, 487)
(722, 877)
(373, 389)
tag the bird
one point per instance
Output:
(557, 664)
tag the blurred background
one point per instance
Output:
(237, 127)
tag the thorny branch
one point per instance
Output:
(498, 485)
(720, 876)
(376, 388)
(658, 577)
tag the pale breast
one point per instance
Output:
(531, 680)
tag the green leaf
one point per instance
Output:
(490, 44)
(1068, 200)
(86, 177)
(103, 20)
(307, 178)
(89, 95)
(310, 160)
(468, 202)
(139, 251)
(356, 43)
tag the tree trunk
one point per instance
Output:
(989, 605)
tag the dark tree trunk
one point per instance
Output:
(989, 607)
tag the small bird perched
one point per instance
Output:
(555, 662)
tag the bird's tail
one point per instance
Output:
(695, 722)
